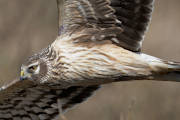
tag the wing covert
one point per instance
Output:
(76, 14)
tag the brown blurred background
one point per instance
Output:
(26, 26)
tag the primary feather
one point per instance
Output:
(26, 100)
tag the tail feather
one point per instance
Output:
(172, 73)
(163, 70)
(170, 76)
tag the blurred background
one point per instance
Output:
(26, 26)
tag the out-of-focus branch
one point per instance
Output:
(61, 115)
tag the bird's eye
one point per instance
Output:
(33, 68)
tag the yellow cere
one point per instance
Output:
(22, 73)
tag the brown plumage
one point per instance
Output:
(99, 42)
(27, 100)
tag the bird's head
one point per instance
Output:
(34, 68)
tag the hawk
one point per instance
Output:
(99, 42)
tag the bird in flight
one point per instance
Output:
(99, 42)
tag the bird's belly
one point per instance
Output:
(101, 62)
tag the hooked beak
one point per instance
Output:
(22, 77)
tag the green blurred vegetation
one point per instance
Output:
(26, 26)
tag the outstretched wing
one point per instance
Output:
(124, 22)
(25, 100)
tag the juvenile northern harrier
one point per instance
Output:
(99, 42)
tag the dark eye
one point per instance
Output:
(32, 68)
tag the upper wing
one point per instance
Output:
(124, 22)
(24, 100)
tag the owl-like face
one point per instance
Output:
(33, 69)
